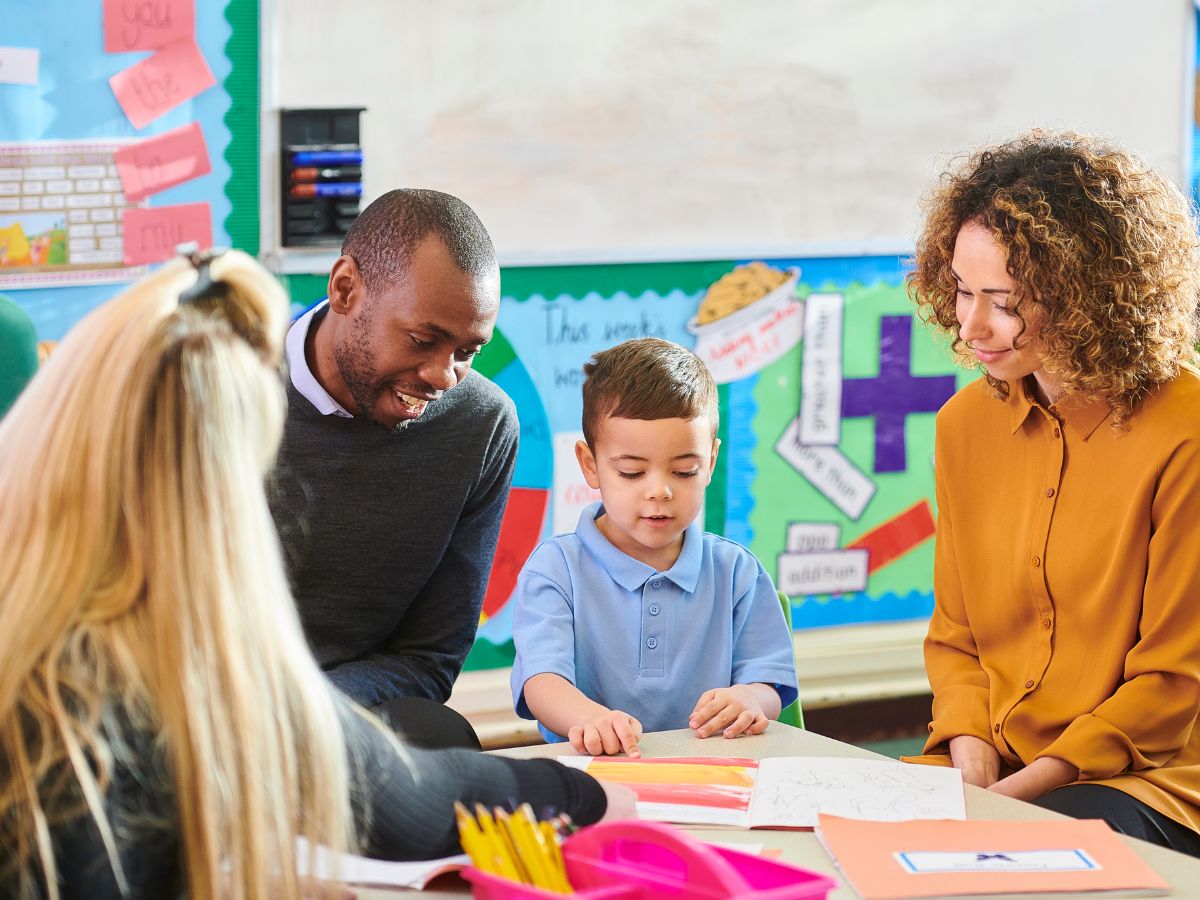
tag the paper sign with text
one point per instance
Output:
(151, 235)
(828, 470)
(821, 371)
(146, 24)
(161, 162)
(805, 537)
(823, 572)
(173, 75)
(18, 65)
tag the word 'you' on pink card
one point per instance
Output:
(151, 235)
(158, 163)
(174, 74)
(146, 24)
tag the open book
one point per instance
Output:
(348, 869)
(782, 791)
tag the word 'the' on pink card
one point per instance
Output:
(151, 235)
(146, 24)
(173, 75)
(158, 163)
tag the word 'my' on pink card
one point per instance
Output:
(151, 235)
(146, 24)
(174, 74)
(158, 163)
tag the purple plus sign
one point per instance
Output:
(894, 393)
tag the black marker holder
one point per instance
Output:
(321, 175)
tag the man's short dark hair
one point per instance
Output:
(382, 239)
(647, 378)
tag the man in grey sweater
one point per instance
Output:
(396, 459)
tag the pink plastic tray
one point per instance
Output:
(644, 860)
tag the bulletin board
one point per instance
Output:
(68, 117)
(702, 129)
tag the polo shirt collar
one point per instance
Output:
(1084, 415)
(632, 574)
(302, 377)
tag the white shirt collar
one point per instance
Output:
(302, 377)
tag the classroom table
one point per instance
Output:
(801, 847)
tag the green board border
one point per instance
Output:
(242, 120)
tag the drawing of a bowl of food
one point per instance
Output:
(748, 318)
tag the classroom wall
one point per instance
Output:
(853, 549)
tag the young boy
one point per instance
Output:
(639, 620)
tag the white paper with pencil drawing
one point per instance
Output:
(781, 792)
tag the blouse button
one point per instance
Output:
(1057, 433)
(996, 729)
(1037, 561)
(1028, 685)
(1049, 492)
(1045, 623)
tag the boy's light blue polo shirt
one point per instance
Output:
(645, 642)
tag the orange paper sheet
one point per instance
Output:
(866, 853)
(173, 75)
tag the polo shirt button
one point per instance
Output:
(1045, 623)
(1057, 433)
(1028, 685)
(1037, 561)
(651, 643)
(996, 729)
(656, 583)
(1049, 492)
(654, 609)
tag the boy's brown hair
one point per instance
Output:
(648, 379)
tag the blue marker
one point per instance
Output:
(327, 158)
(327, 189)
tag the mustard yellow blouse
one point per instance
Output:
(1067, 586)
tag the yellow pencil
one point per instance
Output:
(471, 839)
(505, 866)
(550, 837)
(530, 851)
(504, 830)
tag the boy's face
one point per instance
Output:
(652, 475)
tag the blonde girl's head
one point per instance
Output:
(142, 584)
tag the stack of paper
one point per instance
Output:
(903, 860)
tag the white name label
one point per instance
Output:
(924, 861)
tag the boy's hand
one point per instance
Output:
(735, 709)
(610, 732)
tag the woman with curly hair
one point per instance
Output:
(1064, 647)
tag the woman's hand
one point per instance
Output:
(622, 802)
(1039, 777)
(978, 760)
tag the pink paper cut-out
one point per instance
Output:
(146, 24)
(151, 235)
(158, 163)
(174, 74)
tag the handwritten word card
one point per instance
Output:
(158, 163)
(151, 235)
(146, 24)
(173, 75)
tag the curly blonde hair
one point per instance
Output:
(1101, 246)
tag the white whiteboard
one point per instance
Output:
(627, 130)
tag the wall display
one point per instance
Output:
(825, 470)
(187, 73)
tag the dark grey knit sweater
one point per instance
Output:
(389, 538)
